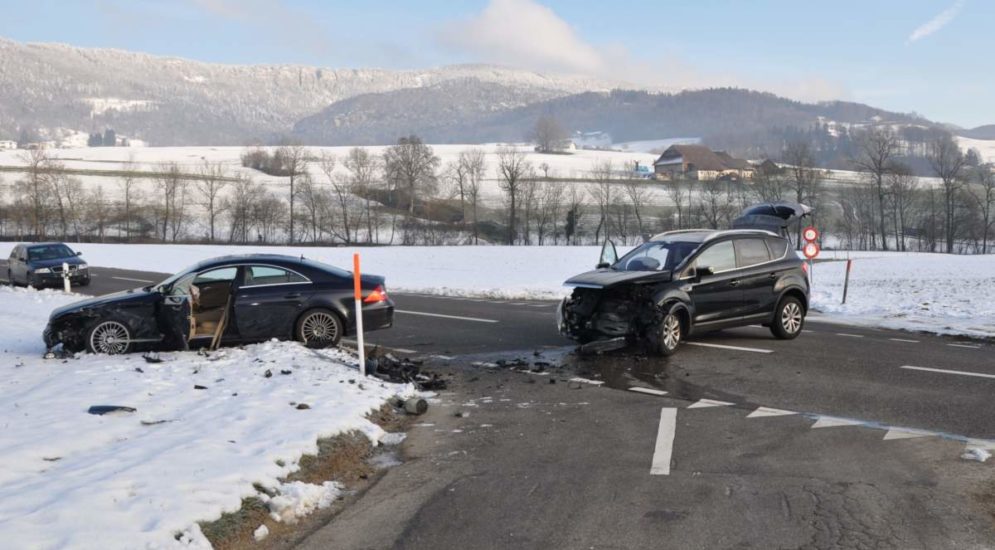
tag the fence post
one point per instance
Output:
(846, 280)
(65, 276)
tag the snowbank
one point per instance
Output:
(136, 480)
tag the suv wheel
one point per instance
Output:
(668, 335)
(789, 318)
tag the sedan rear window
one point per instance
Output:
(259, 275)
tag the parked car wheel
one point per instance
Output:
(668, 335)
(789, 318)
(319, 328)
(108, 336)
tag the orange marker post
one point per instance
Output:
(358, 295)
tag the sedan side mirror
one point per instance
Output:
(79, 253)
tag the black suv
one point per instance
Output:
(692, 281)
(41, 265)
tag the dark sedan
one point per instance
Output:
(42, 264)
(229, 300)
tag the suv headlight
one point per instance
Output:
(43, 270)
(81, 266)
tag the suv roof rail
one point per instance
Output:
(763, 232)
(679, 231)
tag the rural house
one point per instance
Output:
(700, 163)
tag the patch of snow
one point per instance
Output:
(977, 454)
(68, 478)
(393, 438)
(261, 533)
(298, 499)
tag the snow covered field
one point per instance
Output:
(69, 479)
(930, 292)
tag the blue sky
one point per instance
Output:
(928, 56)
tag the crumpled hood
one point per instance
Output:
(133, 295)
(605, 278)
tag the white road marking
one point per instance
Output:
(587, 381)
(903, 433)
(849, 335)
(649, 391)
(834, 422)
(807, 330)
(735, 348)
(703, 403)
(444, 357)
(664, 450)
(957, 372)
(904, 340)
(441, 316)
(763, 412)
(518, 304)
(132, 280)
(964, 346)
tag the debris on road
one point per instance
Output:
(411, 405)
(977, 454)
(391, 369)
(303, 406)
(105, 410)
(152, 357)
(603, 346)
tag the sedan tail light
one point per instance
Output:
(378, 295)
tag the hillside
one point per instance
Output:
(171, 101)
(981, 132)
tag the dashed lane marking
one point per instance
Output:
(849, 335)
(132, 280)
(904, 433)
(955, 372)
(441, 316)
(907, 341)
(966, 346)
(587, 381)
(734, 348)
(664, 449)
(704, 403)
(763, 412)
(649, 391)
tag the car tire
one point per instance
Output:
(109, 336)
(668, 335)
(789, 319)
(84, 282)
(319, 328)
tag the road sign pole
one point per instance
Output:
(358, 295)
(65, 276)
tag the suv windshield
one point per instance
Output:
(656, 256)
(49, 252)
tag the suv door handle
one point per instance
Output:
(293, 295)
(734, 282)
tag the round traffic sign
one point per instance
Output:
(810, 233)
(810, 250)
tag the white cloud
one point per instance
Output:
(935, 24)
(528, 35)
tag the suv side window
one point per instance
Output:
(720, 257)
(751, 252)
(13, 253)
(778, 247)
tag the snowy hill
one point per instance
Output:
(172, 101)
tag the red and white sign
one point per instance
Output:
(810, 250)
(810, 234)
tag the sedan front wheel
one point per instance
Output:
(110, 336)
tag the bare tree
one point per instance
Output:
(876, 151)
(130, 194)
(549, 209)
(293, 160)
(680, 191)
(513, 168)
(603, 192)
(474, 166)
(67, 193)
(411, 165)
(362, 167)
(172, 189)
(211, 182)
(548, 133)
(239, 203)
(638, 194)
(315, 199)
(35, 188)
(947, 162)
(902, 185)
(98, 212)
(984, 195)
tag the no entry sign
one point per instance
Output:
(810, 250)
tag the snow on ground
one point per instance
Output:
(985, 146)
(937, 293)
(72, 479)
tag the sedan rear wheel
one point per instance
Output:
(110, 337)
(319, 328)
(788, 319)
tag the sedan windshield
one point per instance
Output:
(49, 252)
(656, 256)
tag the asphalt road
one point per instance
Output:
(540, 465)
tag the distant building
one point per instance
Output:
(8, 144)
(700, 163)
(769, 168)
